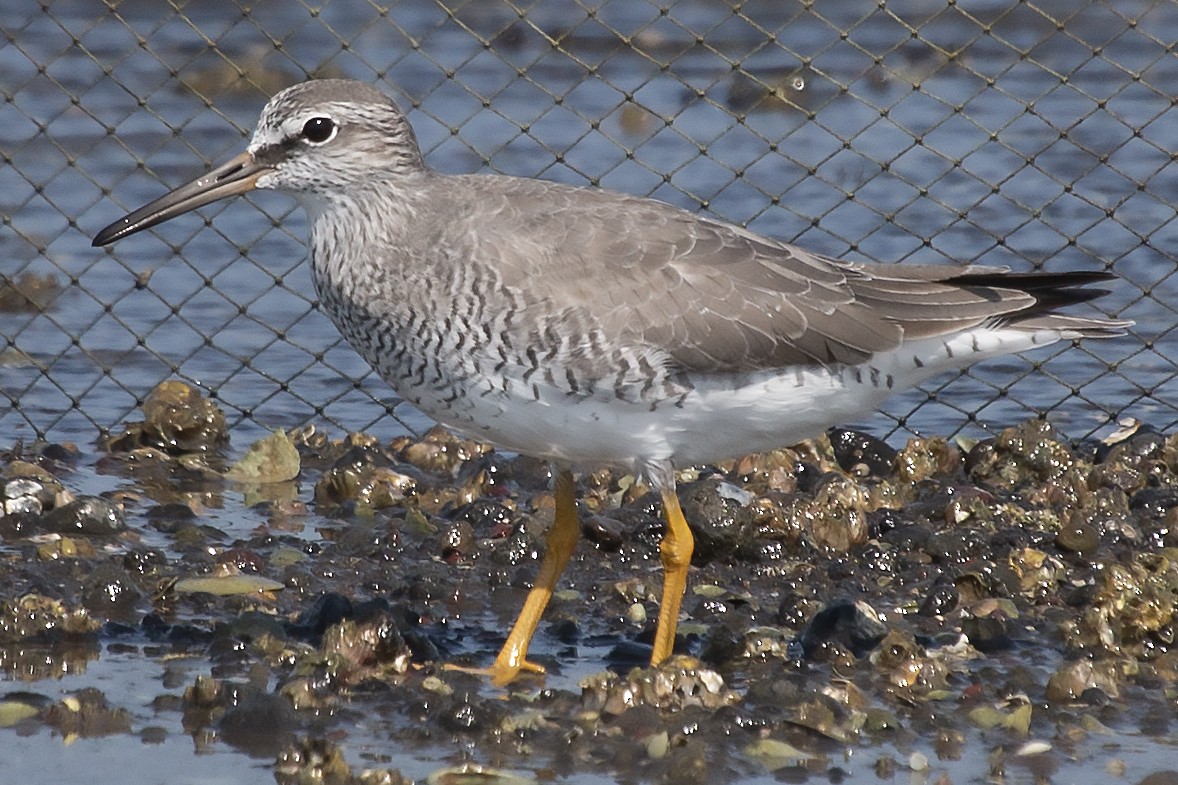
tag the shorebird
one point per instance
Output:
(591, 327)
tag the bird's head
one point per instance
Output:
(315, 138)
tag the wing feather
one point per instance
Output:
(696, 295)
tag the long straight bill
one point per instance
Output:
(231, 178)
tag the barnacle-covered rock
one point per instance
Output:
(835, 518)
(39, 618)
(317, 761)
(1029, 453)
(88, 714)
(907, 668)
(439, 452)
(1133, 609)
(674, 684)
(364, 475)
(923, 458)
(1072, 679)
(177, 420)
(29, 292)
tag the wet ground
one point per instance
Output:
(1000, 611)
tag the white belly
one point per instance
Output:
(725, 415)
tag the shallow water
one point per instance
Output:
(170, 755)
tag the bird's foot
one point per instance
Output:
(501, 673)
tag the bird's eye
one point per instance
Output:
(319, 130)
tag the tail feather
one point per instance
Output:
(1029, 282)
(1072, 326)
(1051, 291)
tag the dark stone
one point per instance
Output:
(808, 477)
(1146, 442)
(908, 537)
(107, 593)
(721, 521)
(90, 515)
(853, 448)
(942, 598)
(485, 515)
(1076, 536)
(722, 645)
(987, 634)
(628, 654)
(259, 723)
(956, 546)
(172, 512)
(144, 562)
(608, 534)
(466, 713)
(1154, 502)
(855, 625)
(328, 609)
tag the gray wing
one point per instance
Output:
(700, 295)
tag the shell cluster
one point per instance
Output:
(845, 592)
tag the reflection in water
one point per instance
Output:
(36, 662)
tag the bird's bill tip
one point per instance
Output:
(236, 176)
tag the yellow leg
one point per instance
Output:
(676, 551)
(560, 543)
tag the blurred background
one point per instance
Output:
(1036, 135)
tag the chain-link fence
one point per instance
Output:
(1029, 134)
